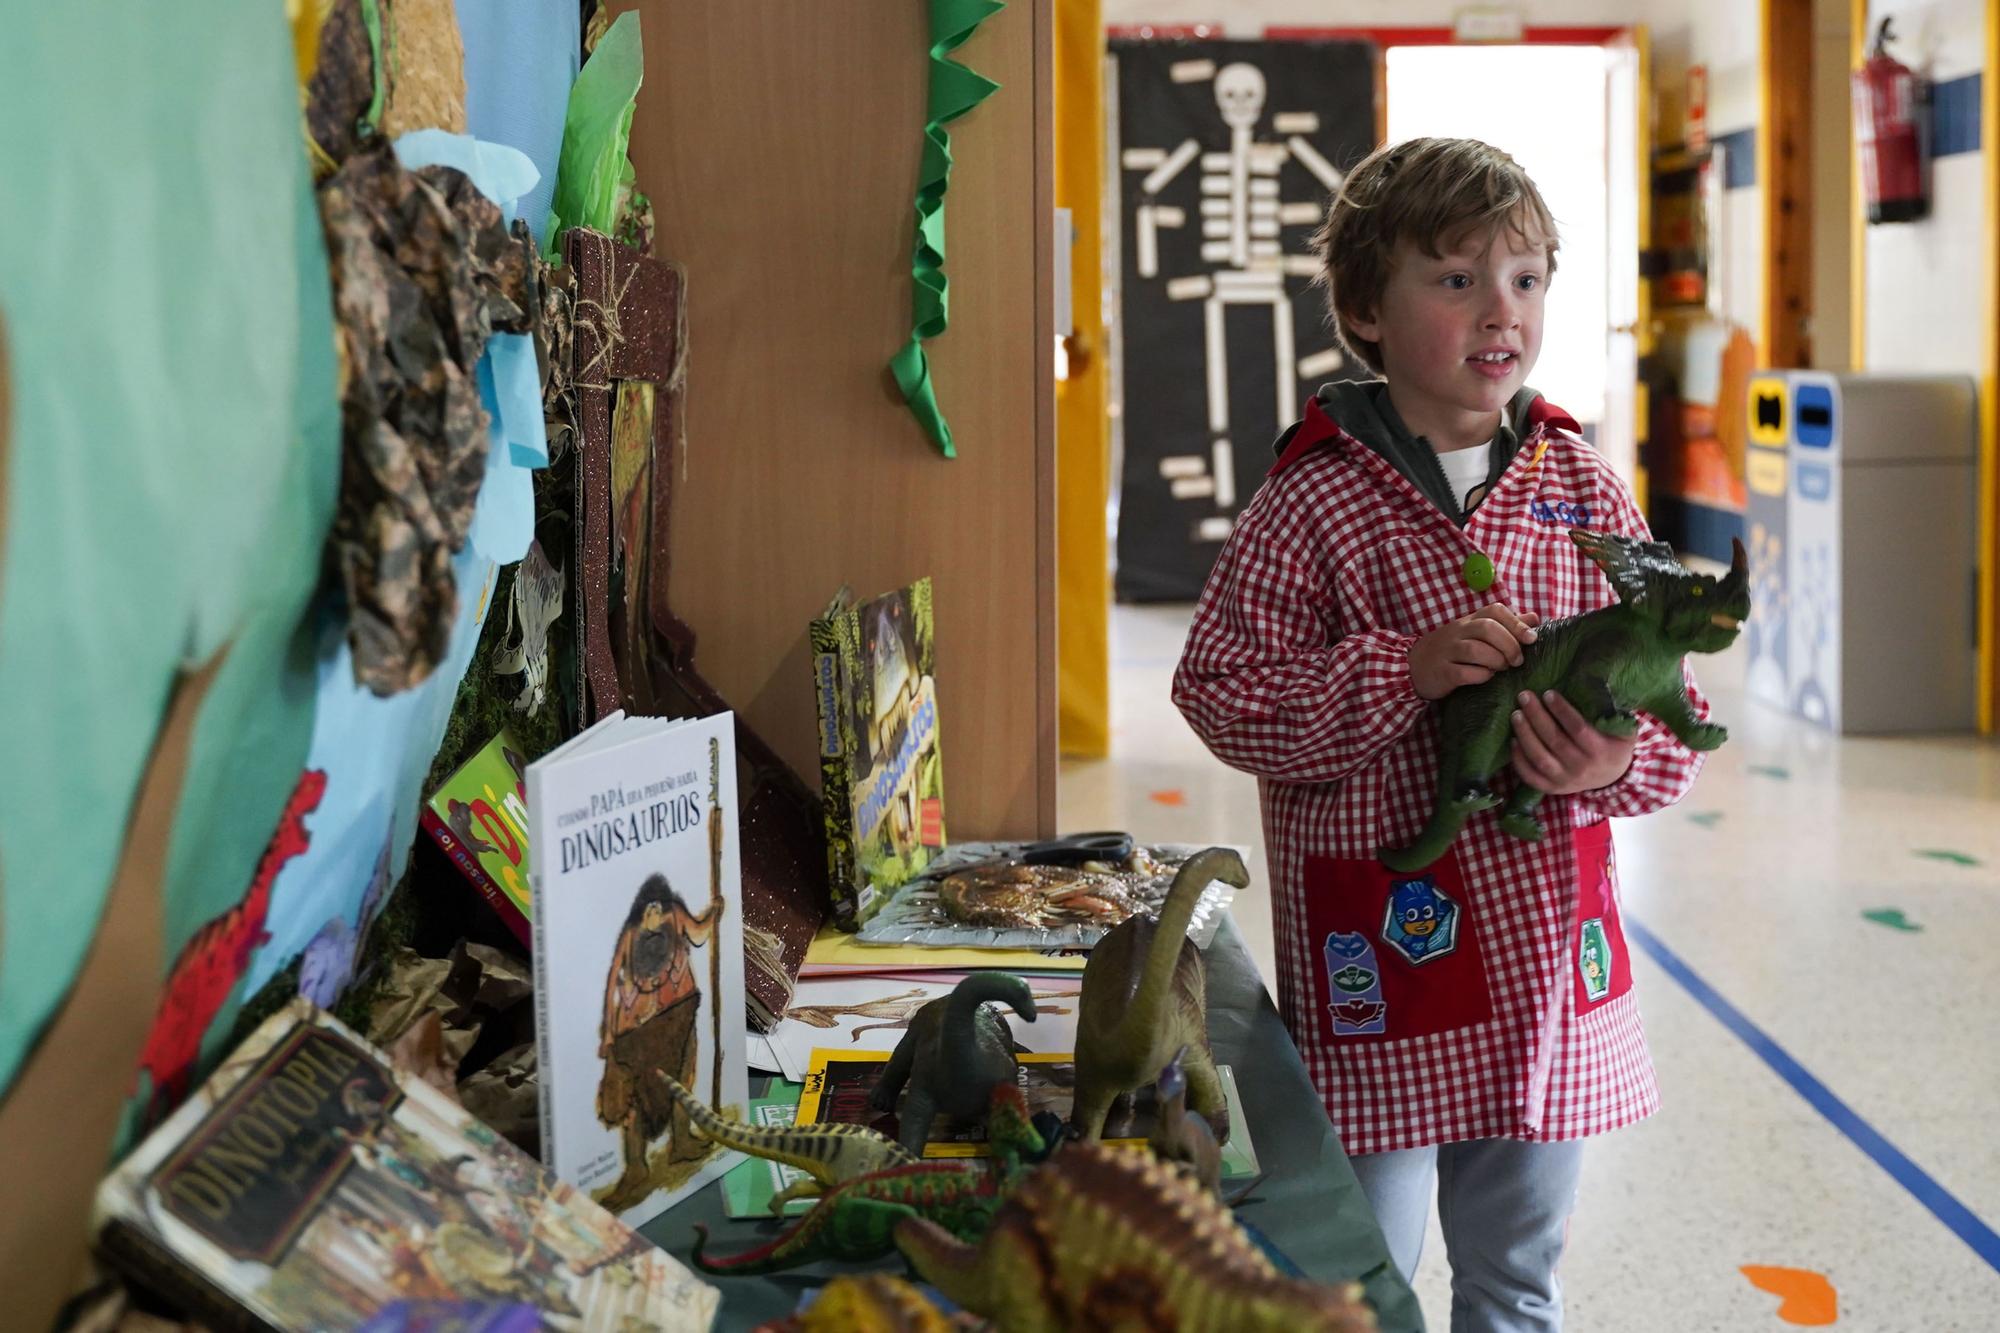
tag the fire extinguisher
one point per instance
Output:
(1892, 126)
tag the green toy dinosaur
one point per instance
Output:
(1609, 663)
(1144, 997)
(855, 1220)
(828, 1154)
(1106, 1238)
(955, 1053)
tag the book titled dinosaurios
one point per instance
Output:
(881, 776)
(309, 1186)
(638, 919)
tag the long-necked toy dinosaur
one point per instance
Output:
(828, 1154)
(855, 1220)
(956, 1052)
(1610, 664)
(1105, 1238)
(1145, 996)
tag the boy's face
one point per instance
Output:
(1459, 333)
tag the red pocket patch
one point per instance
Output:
(1401, 954)
(1602, 967)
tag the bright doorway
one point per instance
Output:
(1568, 114)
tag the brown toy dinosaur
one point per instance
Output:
(1145, 996)
(1103, 1238)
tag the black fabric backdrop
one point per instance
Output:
(1163, 553)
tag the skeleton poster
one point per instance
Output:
(1226, 155)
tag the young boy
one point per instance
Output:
(1409, 539)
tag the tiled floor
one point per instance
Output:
(1758, 884)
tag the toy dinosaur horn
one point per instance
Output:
(1737, 581)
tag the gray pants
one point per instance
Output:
(1504, 1207)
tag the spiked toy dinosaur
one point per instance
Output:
(829, 1154)
(1144, 998)
(1104, 1238)
(1610, 664)
(955, 1054)
(855, 1220)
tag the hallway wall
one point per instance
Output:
(1925, 279)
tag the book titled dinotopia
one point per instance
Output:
(638, 921)
(881, 774)
(479, 818)
(309, 1186)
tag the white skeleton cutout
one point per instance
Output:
(1242, 218)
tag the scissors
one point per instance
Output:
(1075, 850)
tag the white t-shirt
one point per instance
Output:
(1465, 469)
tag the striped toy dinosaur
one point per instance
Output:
(1106, 1238)
(855, 1221)
(828, 1154)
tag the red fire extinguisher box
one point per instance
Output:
(1892, 124)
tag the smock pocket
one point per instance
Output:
(1401, 955)
(1602, 969)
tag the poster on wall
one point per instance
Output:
(1227, 153)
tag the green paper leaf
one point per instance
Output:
(1893, 918)
(1772, 771)
(954, 90)
(597, 128)
(1707, 818)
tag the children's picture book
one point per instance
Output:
(638, 919)
(307, 1186)
(838, 1084)
(873, 1013)
(881, 776)
(479, 818)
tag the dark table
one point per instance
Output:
(1309, 1204)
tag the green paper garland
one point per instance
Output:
(954, 90)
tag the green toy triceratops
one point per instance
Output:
(1610, 664)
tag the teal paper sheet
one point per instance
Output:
(173, 461)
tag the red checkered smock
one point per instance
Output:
(1296, 669)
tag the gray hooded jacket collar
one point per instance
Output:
(1362, 409)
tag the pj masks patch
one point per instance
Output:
(1354, 986)
(1420, 922)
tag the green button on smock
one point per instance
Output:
(1478, 572)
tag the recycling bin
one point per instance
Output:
(1862, 526)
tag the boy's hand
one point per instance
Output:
(1469, 650)
(1558, 752)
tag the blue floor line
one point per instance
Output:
(1964, 1223)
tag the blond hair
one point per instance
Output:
(1431, 193)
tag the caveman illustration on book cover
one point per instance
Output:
(638, 955)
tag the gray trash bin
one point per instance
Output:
(1862, 524)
